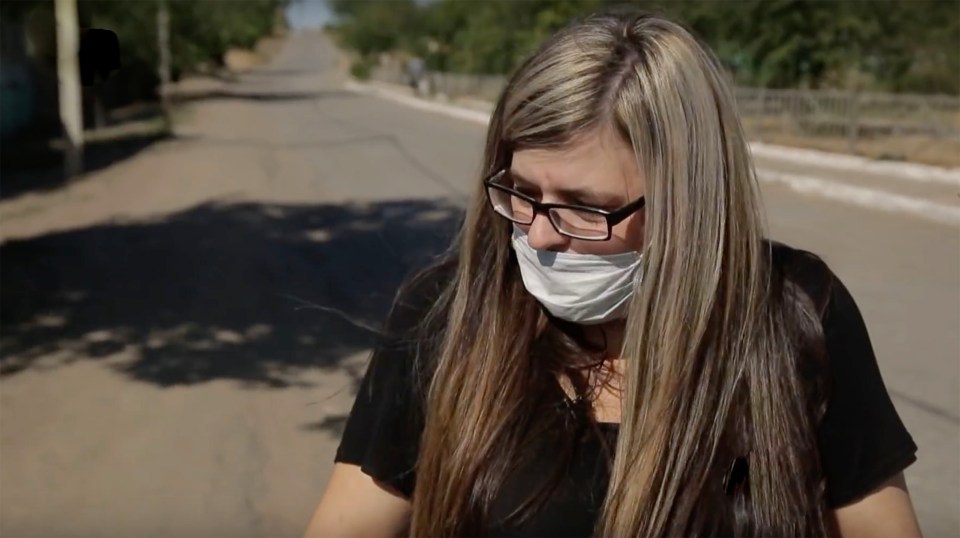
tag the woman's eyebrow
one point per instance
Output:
(517, 178)
(583, 194)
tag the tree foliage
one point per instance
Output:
(891, 45)
(199, 31)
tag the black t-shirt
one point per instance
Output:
(862, 441)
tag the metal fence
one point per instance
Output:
(833, 117)
(850, 116)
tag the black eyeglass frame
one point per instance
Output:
(612, 217)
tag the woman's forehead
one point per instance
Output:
(596, 160)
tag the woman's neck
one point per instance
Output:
(608, 335)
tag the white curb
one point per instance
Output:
(908, 171)
(864, 197)
(482, 118)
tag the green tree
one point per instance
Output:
(373, 26)
(899, 45)
(199, 31)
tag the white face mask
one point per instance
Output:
(582, 288)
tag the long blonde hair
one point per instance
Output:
(711, 342)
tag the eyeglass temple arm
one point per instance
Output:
(617, 216)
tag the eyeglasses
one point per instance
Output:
(575, 221)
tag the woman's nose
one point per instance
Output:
(543, 236)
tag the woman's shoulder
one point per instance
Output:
(862, 440)
(383, 431)
(814, 286)
(421, 292)
(427, 282)
(804, 269)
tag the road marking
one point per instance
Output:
(832, 190)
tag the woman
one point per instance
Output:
(613, 348)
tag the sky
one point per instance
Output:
(308, 14)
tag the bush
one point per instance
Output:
(361, 68)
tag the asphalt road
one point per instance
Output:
(170, 363)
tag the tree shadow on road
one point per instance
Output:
(215, 292)
(37, 165)
(332, 424)
(34, 163)
(269, 96)
(269, 71)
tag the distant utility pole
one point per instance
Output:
(163, 45)
(68, 82)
